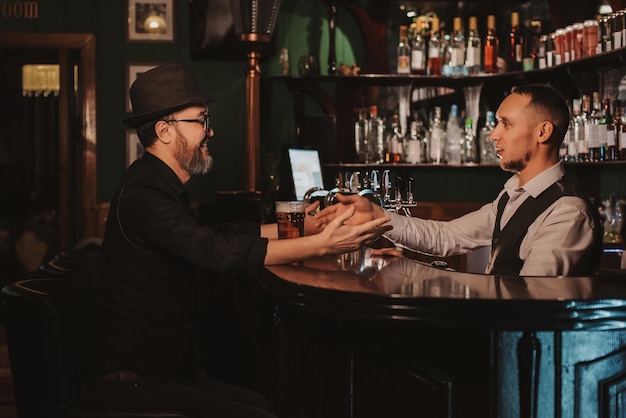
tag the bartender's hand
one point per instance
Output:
(341, 236)
(365, 210)
(311, 226)
(337, 237)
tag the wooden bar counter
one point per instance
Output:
(358, 336)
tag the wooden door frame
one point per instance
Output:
(86, 222)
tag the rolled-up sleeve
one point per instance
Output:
(459, 236)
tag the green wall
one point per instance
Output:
(301, 26)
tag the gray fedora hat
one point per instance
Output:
(161, 91)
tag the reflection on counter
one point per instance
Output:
(390, 276)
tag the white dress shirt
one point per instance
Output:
(554, 243)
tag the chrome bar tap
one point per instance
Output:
(398, 191)
(409, 191)
(386, 188)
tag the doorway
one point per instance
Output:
(47, 155)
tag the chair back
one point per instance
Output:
(42, 319)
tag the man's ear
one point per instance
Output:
(546, 129)
(162, 130)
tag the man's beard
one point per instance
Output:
(192, 160)
(515, 166)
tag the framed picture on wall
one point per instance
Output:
(132, 71)
(150, 21)
(134, 149)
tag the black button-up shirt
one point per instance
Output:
(145, 286)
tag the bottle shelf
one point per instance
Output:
(390, 166)
(610, 59)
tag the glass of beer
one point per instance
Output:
(290, 218)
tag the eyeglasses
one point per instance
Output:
(205, 122)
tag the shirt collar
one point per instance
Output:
(539, 183)
(165, 171)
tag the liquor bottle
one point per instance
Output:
(472, 53)
(606, 128)
(454, 137)
(576, 133)
(434, 48)
(394, 141)
(515, 52)
(363, 150)
(579, 33)
(492, 46)
(470, 150)
(457, 49)
(622, 145)
(622, 142)
(446, 54)
(488, 151)
(596, 152)
(606, 34)
(413, 147)
(436, 138)
(585, 117)
(613, 144)
(590, 37)
(567, 49)
(403, 52)
(542, 52)
(376, 131)
(617, 26)
(418, 48)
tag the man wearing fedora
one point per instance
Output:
(155, 256)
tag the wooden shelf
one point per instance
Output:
(605, 60)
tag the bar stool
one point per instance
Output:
(80, 260)
(43, 326)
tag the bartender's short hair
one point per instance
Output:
(550, 103)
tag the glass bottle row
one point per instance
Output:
(451, 141)
(425, 49)
(597, 130)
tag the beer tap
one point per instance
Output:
(409, 191)
(398, 192)
(368, 192)
(374, 181)
(367, 183)
(346, 181)
(405, 207)
(386, 188)
(354, 183)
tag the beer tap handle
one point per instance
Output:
(367, 183)
(355, 182)
(339, 180)
(398, 190)
(386, 186)
(374, 181)
(409, 191)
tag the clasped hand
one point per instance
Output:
(365, 211)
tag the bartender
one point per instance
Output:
(540, 224)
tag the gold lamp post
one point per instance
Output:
(254, 22)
